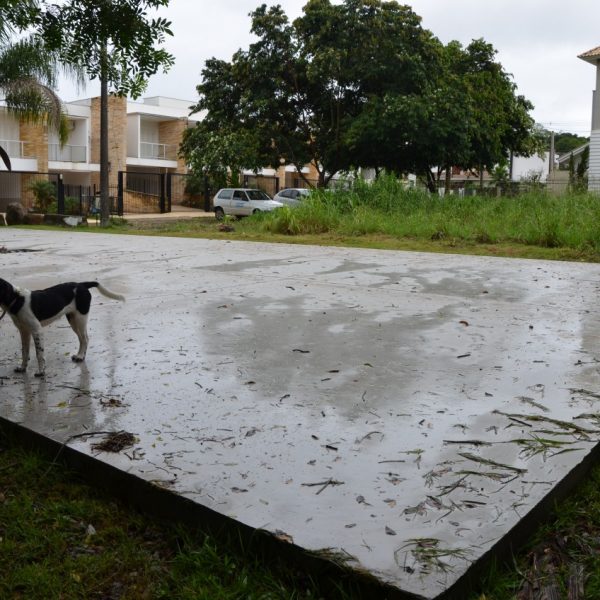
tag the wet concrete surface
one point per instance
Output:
(401, 411)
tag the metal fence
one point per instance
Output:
(267, 184)
(141, 193)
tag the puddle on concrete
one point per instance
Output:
(406, 410)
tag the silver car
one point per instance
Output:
(291, 196)
(242, 202)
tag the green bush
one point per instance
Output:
(72, 206)
(44, 192)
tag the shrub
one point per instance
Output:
(72, 206)
(44, 192)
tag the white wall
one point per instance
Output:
(524, 167)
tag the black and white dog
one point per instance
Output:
(32, 310)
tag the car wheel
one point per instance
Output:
(255, 211)
(219, 213)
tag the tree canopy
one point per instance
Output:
(359, 83)
(114, 40)
(565, 142)
(28, 69)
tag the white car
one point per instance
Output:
(291, 196)
(242, 202)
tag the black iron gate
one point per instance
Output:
(139, 192)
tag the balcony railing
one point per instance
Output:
(67, 153)
(158, 151)
(15, 148)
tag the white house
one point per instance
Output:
(593, 57)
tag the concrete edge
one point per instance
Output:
(168, 506)
(502, 551)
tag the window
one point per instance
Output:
(239, 195)
(226, 194)
(257, 195)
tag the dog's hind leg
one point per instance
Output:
(25, 339)
(78, 323)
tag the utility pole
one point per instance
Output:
(552, 152)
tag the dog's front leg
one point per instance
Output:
(25, 339)
(39, 352)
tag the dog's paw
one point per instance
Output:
(76, 358)
(20, 369)
(40, 374)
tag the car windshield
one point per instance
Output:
(257, 195)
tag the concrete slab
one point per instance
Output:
(404, 411)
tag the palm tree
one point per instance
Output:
(28, 72)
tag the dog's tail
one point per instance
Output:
(104, 291)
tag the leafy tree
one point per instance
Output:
(360, 83)
(565, 142)
(467, 114)
(473, 117)
(298, 90)
(113, 41)
(28, 70)
(219, 158)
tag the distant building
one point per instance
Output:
(144, 137)
(593, 57)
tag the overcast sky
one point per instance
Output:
(537, 41)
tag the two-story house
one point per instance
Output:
(144, 138)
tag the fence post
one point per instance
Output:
(60, 200)
(169, 191)
(162, 194)
(119, 193)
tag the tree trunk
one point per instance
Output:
(447, 180)
(431, 183)
(104, 165)
(322, 183)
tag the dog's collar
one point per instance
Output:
(8, 308)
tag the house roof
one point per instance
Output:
(564, 158)
(592, 56)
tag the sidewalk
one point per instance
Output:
(178, 212)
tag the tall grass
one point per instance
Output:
(387, 207)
